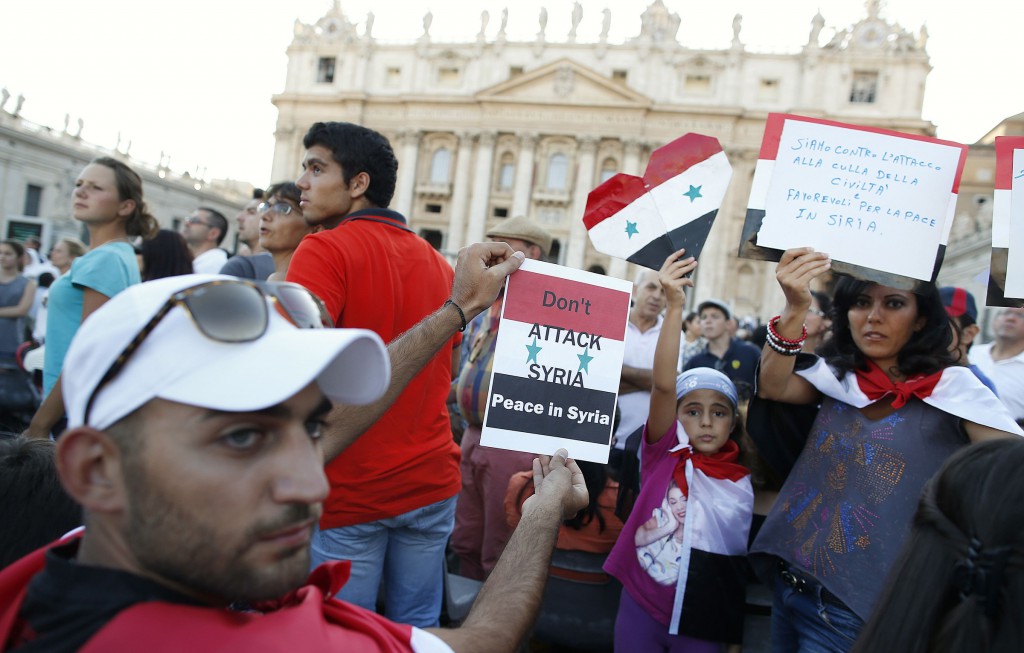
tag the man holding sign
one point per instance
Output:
(481, 529)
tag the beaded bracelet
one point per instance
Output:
(785, 351)
(462, 316)
(772, 331)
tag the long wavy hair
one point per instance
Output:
(958, 585)
(926, 352)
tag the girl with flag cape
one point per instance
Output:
(680, 556)
(895, 404)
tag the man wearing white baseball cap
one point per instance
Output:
(195, 407)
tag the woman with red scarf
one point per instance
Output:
(895, 404)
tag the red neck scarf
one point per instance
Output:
(875, 383)
(716, 465)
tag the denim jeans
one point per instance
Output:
(408, 550)
(804, 622)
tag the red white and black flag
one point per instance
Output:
(557, 362)
(673, 206)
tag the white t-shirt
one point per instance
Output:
(210, 261)
(639, 352)
(1007, 374)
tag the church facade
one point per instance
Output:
(492, 128)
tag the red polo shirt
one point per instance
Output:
(373, 272)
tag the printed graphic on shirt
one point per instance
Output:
(659, 540)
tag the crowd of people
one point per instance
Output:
(282, 450)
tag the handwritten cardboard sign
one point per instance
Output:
(557, 362)
(881, 203)
(1006, 274)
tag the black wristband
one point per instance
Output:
(462, 316)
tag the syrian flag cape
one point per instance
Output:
(958, 392)
(712, 568)
(673, 206)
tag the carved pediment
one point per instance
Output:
(566, 82)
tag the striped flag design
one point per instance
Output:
(557, 362)
(643, 220)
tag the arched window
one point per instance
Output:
(558, 171)
(608, 169)
(506, 172)
(440, 164)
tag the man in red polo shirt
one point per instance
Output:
(392, 501)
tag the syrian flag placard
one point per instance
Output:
(1006, 274)
(673, 206)
(557, 362)
(879, 202)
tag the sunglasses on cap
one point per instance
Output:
(229, 310)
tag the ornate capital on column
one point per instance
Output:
(632, 146)
(588, 144)
(409, 136)
(528, 140)
(488, 138)
(465, 136)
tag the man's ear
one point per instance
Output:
(359, 184)
(90, 468)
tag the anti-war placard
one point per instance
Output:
(881, 203)
(557, 362)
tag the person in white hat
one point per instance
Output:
(195, 409)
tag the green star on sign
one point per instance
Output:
(585, 359)
(693, 193)
(631, 229)
(534, 350)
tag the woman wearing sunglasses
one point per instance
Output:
(282, 226)
(107, 199)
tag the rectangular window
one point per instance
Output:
(33, 199)
(325, 70)
(619, 76)
(864, 88)
(500, 212)
(515, 71)
(448, 76)
(393, 76)
(433, 208)
(768, 89)
(698, 84)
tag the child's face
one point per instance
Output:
(677, 503)
(707, 417)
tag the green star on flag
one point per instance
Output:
(585, 359)
(631, 229)
(693, 193)
(534, 350)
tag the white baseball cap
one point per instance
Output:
(177, 362)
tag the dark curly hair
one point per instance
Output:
(926, 352)
(358, 149)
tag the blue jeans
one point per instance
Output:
(804, 622)
(408, 550)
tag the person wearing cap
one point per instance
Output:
(199, 469)
(731, 356)
(963, 311)
(1003, 359)
(392, 501)
(481, 528)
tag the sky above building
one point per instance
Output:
(192, 79)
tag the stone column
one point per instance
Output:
(523, 186)
(460, 193)
(577, 245)
(410, 149)
(481, 187)
(618, 267)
